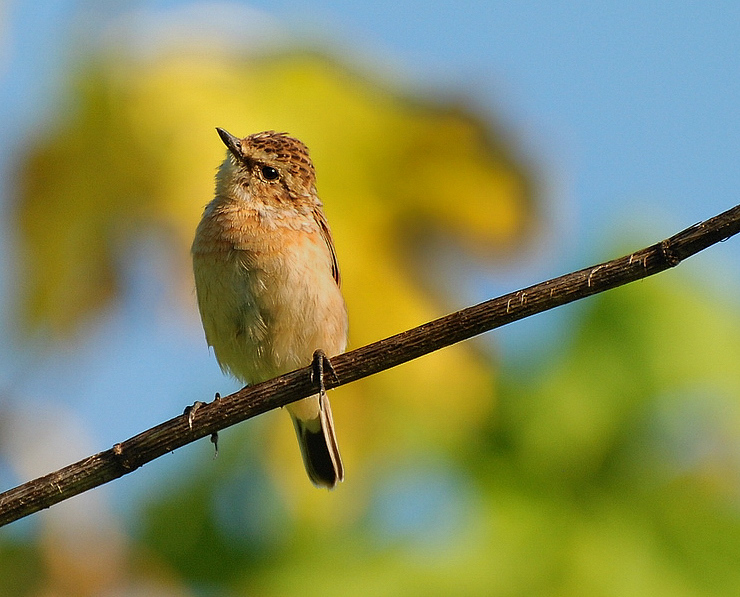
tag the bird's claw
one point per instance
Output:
(191, 410)
(214, 441)
(320, 364)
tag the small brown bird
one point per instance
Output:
(267, 280)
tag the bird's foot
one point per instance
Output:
(320, 364)
(191, 410)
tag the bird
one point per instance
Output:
(267, 280)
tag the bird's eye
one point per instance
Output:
(270, 173)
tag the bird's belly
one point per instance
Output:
(266, 316)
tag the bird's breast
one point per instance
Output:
(267, 298)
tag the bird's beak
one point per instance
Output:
(233, 143)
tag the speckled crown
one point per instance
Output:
(284, 148)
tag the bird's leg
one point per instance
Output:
(214, 435)
(319, 364)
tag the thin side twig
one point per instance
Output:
(248, 402)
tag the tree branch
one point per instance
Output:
(251, 401)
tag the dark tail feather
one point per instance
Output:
(319, 447)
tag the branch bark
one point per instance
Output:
(249, 402)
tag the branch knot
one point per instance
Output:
(669, 256)
(122, 459)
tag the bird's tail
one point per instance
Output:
(314, 427)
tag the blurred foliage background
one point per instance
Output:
(610, 465)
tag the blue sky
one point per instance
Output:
(629, 109)
(623, 105)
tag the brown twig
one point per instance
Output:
(248, 402)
